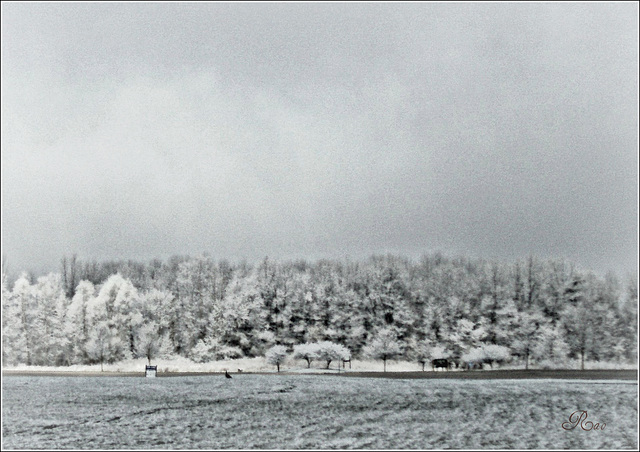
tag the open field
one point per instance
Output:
(313, 411)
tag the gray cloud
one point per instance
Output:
(311, 130)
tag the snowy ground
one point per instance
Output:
(312, 412)
(298, 366)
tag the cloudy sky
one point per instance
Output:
(493, 130)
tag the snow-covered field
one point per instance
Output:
(312, 411)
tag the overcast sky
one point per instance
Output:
(493, 130)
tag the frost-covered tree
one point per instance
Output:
(150, 343)
(276, 355)
(581, 318)
(196, 292)
(384, 346)
(13, 332)
(329, 351)
(155, 309)
(307, 351)
(495, 354)
(100, 346)
(205, 350)
(508, 325)
(579, 328)
(52, 346)
(492, 301)
(422, 352)
(473, 357)
(77, 324)
(113, 319)
(557, 279)
(236, 317)
(526, 336)
(269, 285)
(127, 316)
(27, 324)
(155, 305)
(466, 335)
(69, 274)
(211, 349)
(550, 346)
(626, 329)
(439, 352)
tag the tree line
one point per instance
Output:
(383, 307)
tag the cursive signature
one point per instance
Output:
(580, 418)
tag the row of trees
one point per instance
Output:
(326, 351)
(208, 310)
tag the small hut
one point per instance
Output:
(151, 371)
